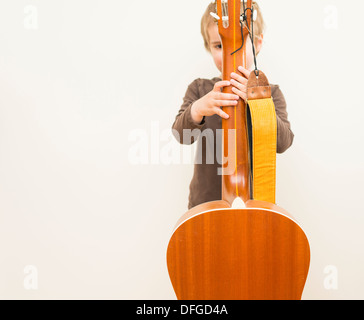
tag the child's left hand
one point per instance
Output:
(240, 83)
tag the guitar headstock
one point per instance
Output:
(230, 13)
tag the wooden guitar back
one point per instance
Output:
(220, 253)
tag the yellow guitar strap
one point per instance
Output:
(264, 138)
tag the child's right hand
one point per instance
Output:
(210, 104)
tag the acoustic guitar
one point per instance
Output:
(239, 247)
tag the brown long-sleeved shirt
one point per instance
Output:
(206, 183)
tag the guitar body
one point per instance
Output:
(220, 253)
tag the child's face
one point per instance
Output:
(216, 49)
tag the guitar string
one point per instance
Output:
(251, 34)
(256, 71)
(243, 15)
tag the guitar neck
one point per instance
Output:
(236, 152)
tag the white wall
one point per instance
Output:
(93, 75)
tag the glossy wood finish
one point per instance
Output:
(255, 253)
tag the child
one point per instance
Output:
(201, 109)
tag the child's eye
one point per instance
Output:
(218, 46)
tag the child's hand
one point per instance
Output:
(210, 104)
(240, 83)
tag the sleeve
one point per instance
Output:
(184, 119)
(284, 133)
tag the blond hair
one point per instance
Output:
(207, 20)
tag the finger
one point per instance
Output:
(238, 78)
(221, 84)
(241, 94)
(244, 71)
(221, 113)
(238, 85)
(226, 103)
(226, 96)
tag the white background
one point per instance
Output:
(73, 92)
